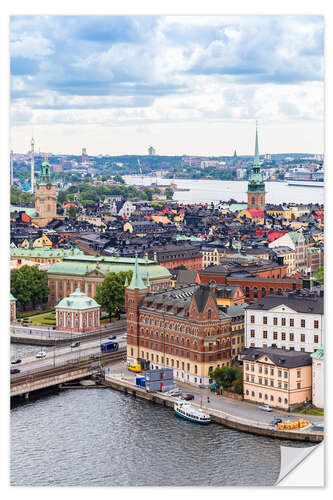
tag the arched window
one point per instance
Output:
(271, 291)
(209, 314)
(263, 291)
(255, 292)
(187, 343)
(247, 291)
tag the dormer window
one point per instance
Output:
(209, 314)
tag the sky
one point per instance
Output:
(184, 84)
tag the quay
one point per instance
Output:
(217, 416)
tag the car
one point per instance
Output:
(188, 397)
(14, 370)
(124, 336)
(41, 354)
(317, 427)
(203, 386)
(265, 408)
(276, 421)
(134, 367)
(75, 344)
(175, 392)
(112, 337)
(16, 361)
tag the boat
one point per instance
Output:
(317, 184)
(186, 411)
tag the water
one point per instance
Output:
(100, 437)
(202, 191)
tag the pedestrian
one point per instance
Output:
(208, 400)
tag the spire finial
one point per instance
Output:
(136, 281)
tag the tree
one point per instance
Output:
(228, 377)
(29, 285)
(72, 212)
(319, 274)
(168, 193)
(62, 197)
(119, 179)
(181, 266)
(110, 293)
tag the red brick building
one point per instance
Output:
(183, 329)
(173, 255)
(256, 280)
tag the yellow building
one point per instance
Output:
(277, 377)
(43, 242)
(287, 257)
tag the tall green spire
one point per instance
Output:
(256, 181)
(136, 281)
(256, 162)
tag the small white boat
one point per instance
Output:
(186, 411)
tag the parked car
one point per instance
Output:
(317, 427)
(203, 386)
(276, 421)
(265, 408)
(16, 361)
(188, 397)
(14, 370)
(112, 337)
(75, 344)
(175, 392)
(124, 336)
(41, 354)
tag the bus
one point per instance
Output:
(109, 346)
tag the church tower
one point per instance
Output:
(256, 186)
(134, 294)
(46, 197)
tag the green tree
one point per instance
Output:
(228, 377)
(168, 193)
(147, 194)
(181, 266)
(319, 274)
(29, 285)
(72, 212)
(110, 294)
(62, 197)
(119, 179)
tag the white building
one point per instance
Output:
(318, 393)
(293, 322)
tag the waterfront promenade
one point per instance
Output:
(239, 415)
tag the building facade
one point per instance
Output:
(78, 313)
(86, 272)
(279, 378)
(318, 378)
(183, 329)
(294, 322)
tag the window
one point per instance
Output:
(260, 369)
(252, 368)
(285, 385)
(272, 372)
(260, 380)
(260, 395)
(280, 400)
(247, 392)
(298, 385)
(283, 335)
(266, 396)
(252, 319)
(302, 337)
(247, 378)
(275, 321)
(252, 333)
(252, 394)
(272, 398)
(255, 292)
(316, 324)
(264, 334)
(275, 335)
(283, 321)
(302, 349)
(285, 401)
(252, 378)
(302, 323)
(272, 383)
(246, 367)
(316, 339)
(291, 322)
(291, 337)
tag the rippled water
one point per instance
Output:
(100, 437)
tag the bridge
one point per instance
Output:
(44, 377)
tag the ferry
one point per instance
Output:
(186, 411)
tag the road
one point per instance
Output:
(57, 356)
(233, 407)
(36, 331)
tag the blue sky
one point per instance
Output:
(187, 85)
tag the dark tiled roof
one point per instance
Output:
(301, 304)
(280, 357)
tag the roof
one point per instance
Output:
(29, 211)
(77, 300)
(84, 264)
(42, 252)
(136, 281)
(185, 277)
(301, 304)
(280, 357)
(12, 297)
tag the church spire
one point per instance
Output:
(136, 281)
(256, 161)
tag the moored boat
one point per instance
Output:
(186, 411)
